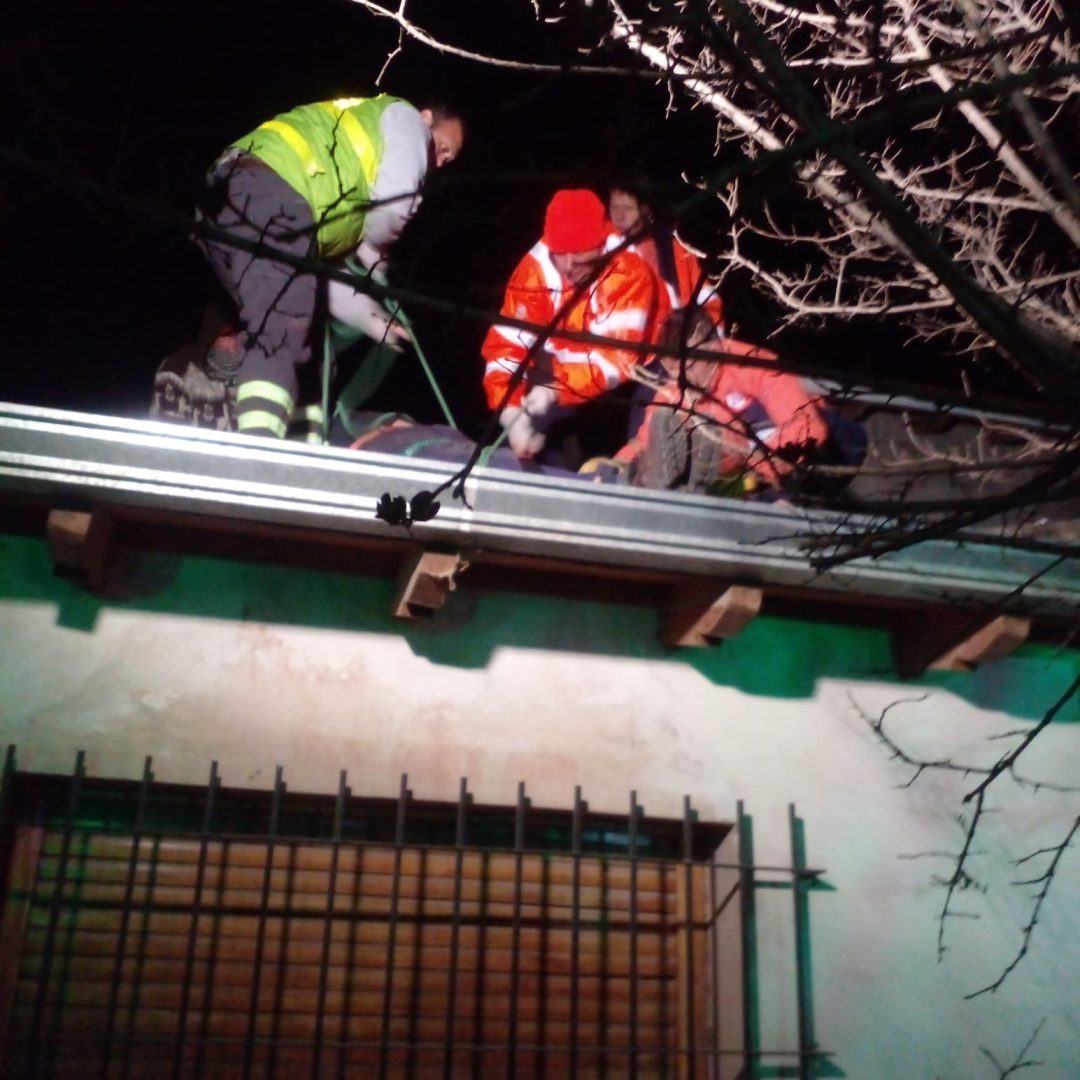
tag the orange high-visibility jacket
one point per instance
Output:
(689, 286)
(626, 302)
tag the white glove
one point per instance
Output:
(364, 312)
(523, 437)
(539, 401)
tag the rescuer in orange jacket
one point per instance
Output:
(565, 283)
(674, 263)
(722, 420)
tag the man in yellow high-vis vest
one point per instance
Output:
(322, 181)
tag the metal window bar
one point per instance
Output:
(196, 909)
(392, 923)
(688, 923)
(751, 1027)
(714, 959)
(799, 883)
(277, 1041)
(605, 973)
(699, 1042)
(540, 1067)
(55, 905)
(125, 917)
(515, 940)
(631, 832)
(328, 923)
(480, 976)
(264, 912)
(580, 808)
(130, 1037)
(667, 1048)
(455, 929)
(351, 992)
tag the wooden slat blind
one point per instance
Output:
(182, 943)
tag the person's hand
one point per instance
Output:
(538, 402)
(524, 438)
(365, 313)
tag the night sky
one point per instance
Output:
(138, 99)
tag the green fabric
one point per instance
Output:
(372, 370)
(330, 153)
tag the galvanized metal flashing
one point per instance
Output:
(75, 456)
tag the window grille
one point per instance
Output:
(153, 929)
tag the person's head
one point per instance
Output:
(688, 328)
(575, 229)
(627, 210)
(447, 131)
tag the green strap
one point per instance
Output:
(377, 363)
(327, 365)
(395, 312)
(485, 454)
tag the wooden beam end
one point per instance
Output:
(700, 614)
(425, 581)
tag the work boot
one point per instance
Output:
(185, 393)
(224, 357)
(662, 462)
(707, 455)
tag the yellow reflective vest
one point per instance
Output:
(330, 153)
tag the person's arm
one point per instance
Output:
(395, 198)
(505, 347)
(395, 192)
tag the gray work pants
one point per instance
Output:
(276, 300)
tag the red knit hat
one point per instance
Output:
(575, 221)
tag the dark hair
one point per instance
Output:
(632, 184)
(688, 327)
(442, 110)
(646, 191)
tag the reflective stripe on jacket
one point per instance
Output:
(329, 152)
(626, 302)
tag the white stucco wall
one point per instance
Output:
(255, 667)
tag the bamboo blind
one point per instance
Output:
(192, 957)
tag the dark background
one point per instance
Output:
(118, 109)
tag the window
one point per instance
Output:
(151, 929)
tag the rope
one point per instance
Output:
(395, 311)
(485, 454)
